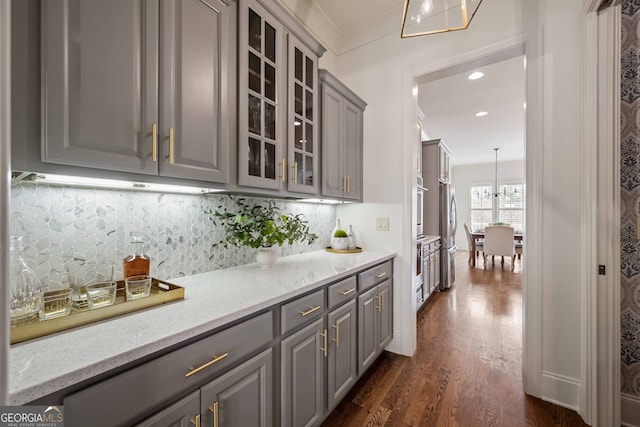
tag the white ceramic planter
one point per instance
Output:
(266, 257)
(340, 243)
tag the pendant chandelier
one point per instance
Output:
(422, 17)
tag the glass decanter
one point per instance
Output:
(26, 288)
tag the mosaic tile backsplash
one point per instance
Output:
(630, 198)
(65, 223)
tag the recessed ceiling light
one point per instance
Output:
(475, 75)
(481, 113)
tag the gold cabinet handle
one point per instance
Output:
(154, 142)
(381, 302)
(283, 170)
(214, 409)
(379, 275)
(348, 291)
(324, 349)
(214, 359)
(377, 307)
(337, 338)
(295, 172)
(344, 184)
(195, 421)
(348, 184)
(171, 152)
(311, 310)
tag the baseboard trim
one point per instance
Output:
(560, 390)
(629, 410)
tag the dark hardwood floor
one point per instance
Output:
(467, 370)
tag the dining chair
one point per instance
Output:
(498, 241)
(479, 243)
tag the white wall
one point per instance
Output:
(380, 72)
(463, 177)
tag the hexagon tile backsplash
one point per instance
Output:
(66, 223)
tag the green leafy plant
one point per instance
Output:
(258, 225)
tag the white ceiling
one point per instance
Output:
(448, 100)
(450, 104)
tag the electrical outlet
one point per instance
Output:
(382, 224)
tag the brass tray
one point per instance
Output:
(344, 251)
(161, 293)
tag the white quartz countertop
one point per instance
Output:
(42, 366)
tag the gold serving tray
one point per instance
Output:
(161, 293)
(344, 251)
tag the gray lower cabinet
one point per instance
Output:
(184, 413)
(375, 323)
(303, 378)
(137, 86)
(342, 133)
(342, 368)
(241, 397)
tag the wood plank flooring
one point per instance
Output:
(467, 370)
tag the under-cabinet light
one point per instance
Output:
(77, 181)
(324, 201)
(481, 113)
(475, 75)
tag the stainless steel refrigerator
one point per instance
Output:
(439, 206)
(448, 226)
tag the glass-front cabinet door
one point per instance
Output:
(303, 119)
(262, 80)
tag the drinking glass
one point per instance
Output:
(55, 303)
(101, 294)
(137, 287)
(81, 274)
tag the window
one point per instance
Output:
(511, 206)
(481, 206)
(508, 208)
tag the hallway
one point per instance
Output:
(467, 368)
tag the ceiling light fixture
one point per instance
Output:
(476, 75)
(422, 17)
(481, 113)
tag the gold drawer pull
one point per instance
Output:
(193, 371)
(348, 291)
(337, 338)
(195, 421)
(311, 310)
(379, 275)
(214, 409)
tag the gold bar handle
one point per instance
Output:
(324, 336)
(348, 184)
(215, 359)
(214, 409)
(337, 338)
(283, 170)
(171, 153)
(348, 291)
(381, 302)
(379, 275)
(195, 421)
(154, 142)
(295, 172)
(377, 307)
(344, 184)
(311, 310)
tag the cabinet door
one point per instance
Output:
(342, 364)
(194, 128)
(241, 397)
(333, 179)
(353, 150)
(100, 83)
(436, 267)
(303, 355)
(303, 119)
(385, 310)
(184, 413)
(261, 98)
(367, 329)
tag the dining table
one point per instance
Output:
(518, 236)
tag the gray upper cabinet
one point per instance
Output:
(261, 98)
(303, 153)
(193, 136)
(342, 137)
(136, 86)
(100, 83)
